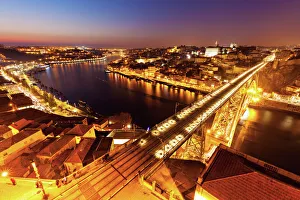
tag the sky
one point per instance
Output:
(149, 23)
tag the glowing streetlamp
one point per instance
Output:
(4, 174)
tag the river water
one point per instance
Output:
(109, 93)
(271, 136)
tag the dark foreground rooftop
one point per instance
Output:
(234, 175)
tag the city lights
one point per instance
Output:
(150, 119)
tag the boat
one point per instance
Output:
(107, 71)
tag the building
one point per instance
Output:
(5, 132)
(101, 146)
(20, 101)
(150, 71)
(123, 136)
(233, 175)
(53, 150)
(3, 93)
(212, 51)
(16, 127)
(82, 131)
(14, 146)
(75, 160)
(5, 105)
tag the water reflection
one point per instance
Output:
(113, 93)
(271, 136)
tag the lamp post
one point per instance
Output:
(38, 177)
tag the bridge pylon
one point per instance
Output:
(193, 148)
(228, 116)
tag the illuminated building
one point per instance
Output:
(14, 146)
(212, 51)
(56, 148)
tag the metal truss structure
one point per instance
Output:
(223, 127)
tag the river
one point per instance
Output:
(271, 136)
(109, 93)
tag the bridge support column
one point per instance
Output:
(227, 117)
(193, 148)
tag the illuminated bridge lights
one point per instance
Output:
(163, 127)
(166, 125)
(168, 147)
(155, 132)
(159, 154)
(173, 142)
(172, 121)
(179, 137)
(142, 142)
(188, 129)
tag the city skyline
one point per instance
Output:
(154, 23)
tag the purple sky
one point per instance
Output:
(149, 23)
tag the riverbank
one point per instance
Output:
(112, 93)
(176, 84)
(275, 105)
(44, 101)
(76, 61)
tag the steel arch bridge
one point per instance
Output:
(182, 131)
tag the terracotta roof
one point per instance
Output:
(250, 186)
(80, 129)
(3, 129)
(226, 165)
(3, 92)
(4, 104)
(79, 153)
(55, 146)
(20, 100)
(101, 146)
(232, 176)
(22, 123)
(5, 144)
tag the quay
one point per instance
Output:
(76, 61)
(155, 80)
(276, 105)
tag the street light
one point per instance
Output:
(4, 174)
(38, 177)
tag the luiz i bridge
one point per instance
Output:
(191, 133)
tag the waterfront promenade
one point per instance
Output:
(277, 104)
(178, 84)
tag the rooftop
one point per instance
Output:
(4, 104)
(55, 146)
(80, 129)
(5, 144)
(233, 175)
(101, 146)
(3, 129)
(79, 153)
(20, 100)
(22, 123)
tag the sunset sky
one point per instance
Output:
(149, 23)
